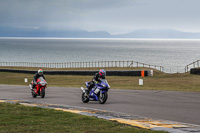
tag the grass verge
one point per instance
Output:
(160, 81)
(18, 118)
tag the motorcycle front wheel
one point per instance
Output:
(103, 98)
(42, 93)
(85, 98)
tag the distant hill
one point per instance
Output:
(163, 33)
(44, 32)
(79, 33)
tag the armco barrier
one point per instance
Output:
(108, 73)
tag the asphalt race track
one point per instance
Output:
(165, 105)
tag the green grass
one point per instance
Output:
(160, 81)
(16, 118)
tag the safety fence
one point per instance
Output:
(103, 64)
(192, 65)
(91, 64)
(174, 69)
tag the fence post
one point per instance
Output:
(132, 64)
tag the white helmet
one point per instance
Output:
(40, 71)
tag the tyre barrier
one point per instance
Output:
(195, 71)
(108, 72)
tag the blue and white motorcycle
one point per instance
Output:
(97, 93)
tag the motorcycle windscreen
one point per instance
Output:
(42, 80)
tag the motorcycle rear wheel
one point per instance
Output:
(104, 98)
(42, 93)
(84, 98)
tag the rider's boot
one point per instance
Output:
(31, 86)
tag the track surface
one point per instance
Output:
(166, 105)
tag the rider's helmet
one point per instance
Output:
(40, 71)
(102, 73)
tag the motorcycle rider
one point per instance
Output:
(97, 78)
(36, 76)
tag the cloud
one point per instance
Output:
(115, 16)
(28, 11)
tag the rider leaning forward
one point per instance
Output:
(36, 76)
(97, 77)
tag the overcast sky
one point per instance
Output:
(113, 16)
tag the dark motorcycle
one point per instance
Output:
(98, 93)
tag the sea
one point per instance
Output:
(175, 53)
